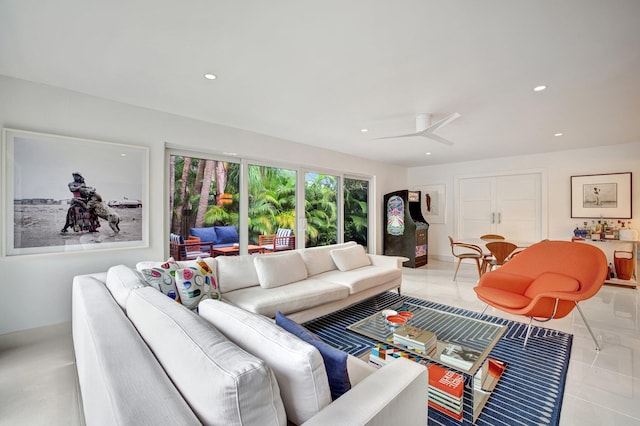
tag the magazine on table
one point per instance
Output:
(459, 356)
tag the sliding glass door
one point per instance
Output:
(321, 209)
(202, 192)
(356, 210)
(260, 199)
(272, 200)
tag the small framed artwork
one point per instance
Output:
(433, 203)
(66, 194)
(607, 196)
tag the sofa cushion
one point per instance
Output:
(117, 372)
(298, 366)
(349, 258)
(318, 259)
(222, 383)
(236, 272)
(206, 234)
(335, 360)
(279, 269)
(121, 280)
(551, 281)
(289, 298)
(361, 279)
(227, 234)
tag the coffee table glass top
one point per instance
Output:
(469, 333)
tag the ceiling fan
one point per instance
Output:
(425, 128)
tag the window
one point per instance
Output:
(272, 200)
(356, 210)
(321, 209)
(202, 192)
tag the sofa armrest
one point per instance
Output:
(395, 394)
(387, 261)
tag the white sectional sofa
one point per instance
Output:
(305, 283)
(144, 359)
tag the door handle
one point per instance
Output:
(493, 218)
(499, 217)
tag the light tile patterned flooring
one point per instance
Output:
(38, 385)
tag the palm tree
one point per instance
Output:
(321, 210)
(356, 195)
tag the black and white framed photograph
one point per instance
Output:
(433, 203)
(605, 195)
(65, 194)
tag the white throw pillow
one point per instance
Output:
(275, 270)
(236, 272)
(298, 366)
(318, 259)
(350, 258)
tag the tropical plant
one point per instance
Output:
(321, 210)
(356, 195)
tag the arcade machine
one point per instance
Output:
(405, 229)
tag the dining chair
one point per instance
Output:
(489, 237)
(500, 253)
(545, 281)
(464, 251)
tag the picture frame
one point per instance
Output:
(67, 194)
(606, 196)
(435, 210)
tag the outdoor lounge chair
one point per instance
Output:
(189, 249)
(283, 239)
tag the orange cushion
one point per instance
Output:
(502, 298)
(505, 281)
(550, 281)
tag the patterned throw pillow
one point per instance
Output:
(163, 278)
(195, 284)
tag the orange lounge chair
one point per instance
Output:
(545, 281)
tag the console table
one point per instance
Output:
(609, 247)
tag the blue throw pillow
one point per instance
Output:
(335, 360)
(227, 234)
(206, 235)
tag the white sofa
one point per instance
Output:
(144, 359)
(305, 283)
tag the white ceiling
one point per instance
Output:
(318, 72)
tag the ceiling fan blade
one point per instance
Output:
(437, 138)
(444, 121)
(409, 135)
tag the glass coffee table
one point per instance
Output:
(450, 329)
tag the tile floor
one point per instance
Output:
(38, 385)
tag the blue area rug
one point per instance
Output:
(531, 389)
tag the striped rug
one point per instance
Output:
(531, 388)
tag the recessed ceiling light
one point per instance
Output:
(427, 153)
(364, 130)
(557, 134)
(539, 88)
(230, 153)
(210, 76)
(123, 155)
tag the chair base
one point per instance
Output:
(531, 319)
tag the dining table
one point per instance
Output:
(483, 243)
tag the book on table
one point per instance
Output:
(446, 391)
(459, 356)
(415, 338)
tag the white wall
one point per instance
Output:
(36, 290)
(559, 167)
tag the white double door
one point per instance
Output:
(509, 205)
